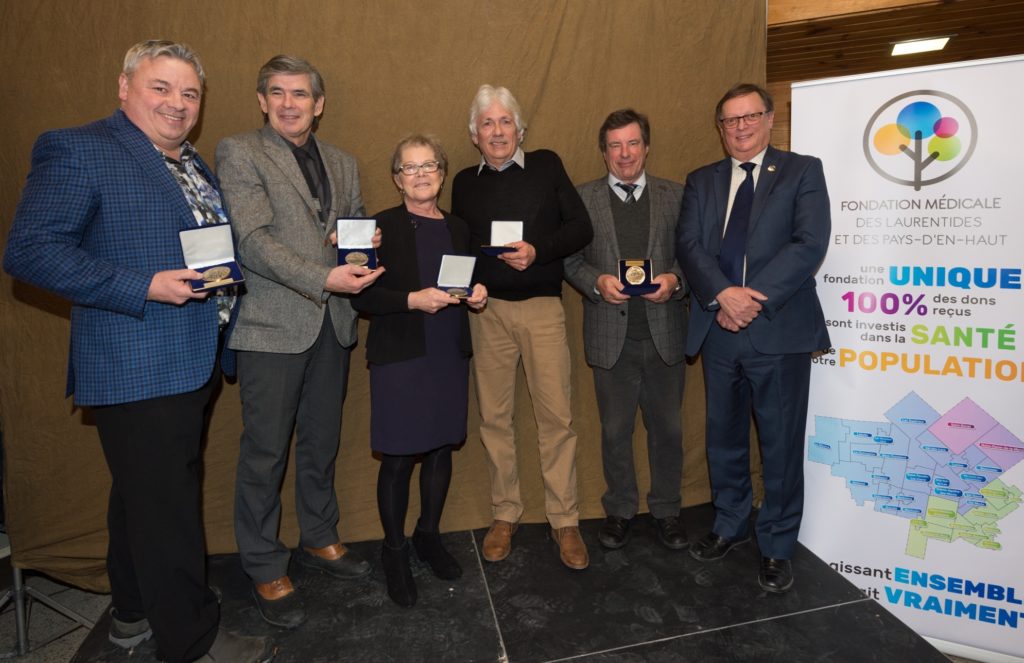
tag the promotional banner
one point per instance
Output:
(914, 460)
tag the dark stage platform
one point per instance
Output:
(641, 603)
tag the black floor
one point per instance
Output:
(641, 603)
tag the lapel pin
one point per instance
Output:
(771, 169)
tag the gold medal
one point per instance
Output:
(220, 273)
(458, 292)
(635, 275)
(357, 258)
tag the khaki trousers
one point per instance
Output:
(531, 331)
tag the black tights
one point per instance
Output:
(393, 492)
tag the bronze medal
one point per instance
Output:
(220, 273)
(357, 258)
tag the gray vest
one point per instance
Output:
(632, 230)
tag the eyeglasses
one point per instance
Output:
(749, 118)
(414, 168)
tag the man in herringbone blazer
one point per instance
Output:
(98, 224)
(284, 189)
(635, 345)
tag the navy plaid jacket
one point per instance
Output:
(99, 215)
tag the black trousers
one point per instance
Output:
(156, 558)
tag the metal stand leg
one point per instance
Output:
(17, 594)
(20, 594)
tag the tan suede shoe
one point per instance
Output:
(571, 548)
(498, 541)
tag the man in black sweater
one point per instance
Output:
(524, 320)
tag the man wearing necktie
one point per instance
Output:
(284, 189)
(635, 345)
(753, 230)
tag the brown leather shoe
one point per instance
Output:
(331, 552)
(571, 548)
(278, 603)
(498, 541)
(335, 560)
(275, 589)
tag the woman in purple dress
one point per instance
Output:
(418, 351)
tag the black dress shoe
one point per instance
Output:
(776, 575)
(713, 547)
(671, 533)
(614, 532)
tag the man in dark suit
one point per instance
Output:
(285, 189)
(756, 319)
(98, 224)
(635, 344)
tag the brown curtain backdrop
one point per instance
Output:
(391, 67)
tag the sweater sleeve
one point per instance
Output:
(574, 231)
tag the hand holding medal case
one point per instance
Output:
(210, 251)
(455, 275)
(355, 242)
(502, 233)
(636, 276)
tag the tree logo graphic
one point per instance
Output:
(920, 138)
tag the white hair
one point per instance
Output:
(487, 95)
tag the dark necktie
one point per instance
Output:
(317, 188)
(734, 244)
(629, 189)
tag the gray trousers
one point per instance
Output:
(280, 393)
(641, 378)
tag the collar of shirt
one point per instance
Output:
(641, 186)
(519, 159)
(309, 147)
(185, 153)
(741, 174)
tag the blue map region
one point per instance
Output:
(940, 471)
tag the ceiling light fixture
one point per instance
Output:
(919, 46)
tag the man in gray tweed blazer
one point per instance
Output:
(635, 345)
(284, 189)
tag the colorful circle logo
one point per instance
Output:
(918, 138)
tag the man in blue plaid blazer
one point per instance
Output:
(98, 224)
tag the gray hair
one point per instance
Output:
(419, 140)
(156, 48)
(742, 90)
(289, 65)
(487, 95)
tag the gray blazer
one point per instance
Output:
(604, 324)
(284, 251)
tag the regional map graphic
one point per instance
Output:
(941, 472)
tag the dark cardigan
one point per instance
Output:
(396, 333)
